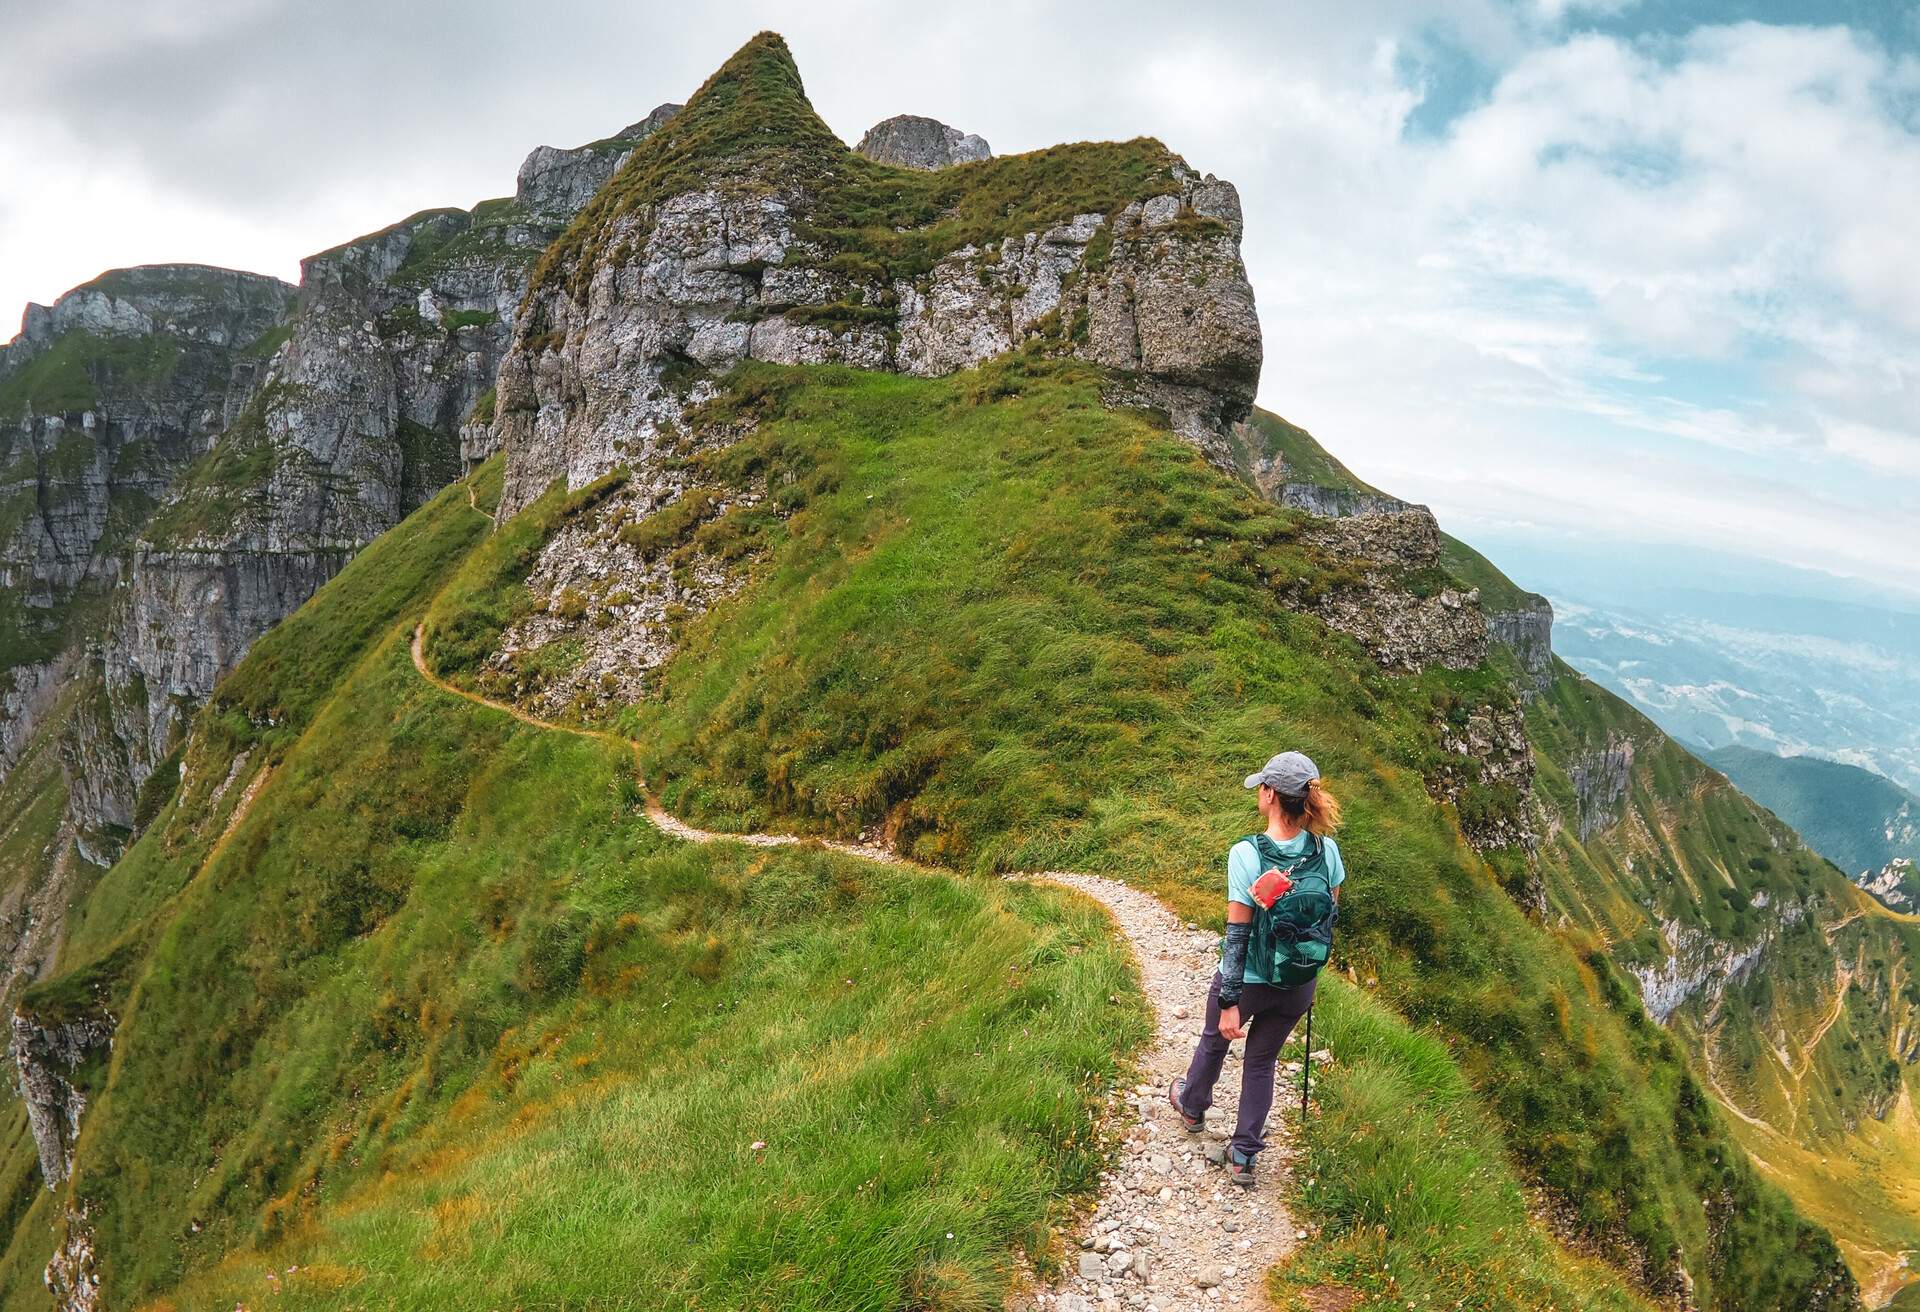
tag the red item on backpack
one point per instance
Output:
(1270, 888)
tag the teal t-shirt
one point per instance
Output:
(1243, 871)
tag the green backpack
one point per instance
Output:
(1293, 938)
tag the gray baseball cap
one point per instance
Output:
(1287, 774)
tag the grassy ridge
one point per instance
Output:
(1411, 1184)
(1009, 628)
(444, 991)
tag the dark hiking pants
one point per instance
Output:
(1268, 1013)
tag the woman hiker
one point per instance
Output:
(1283, 887)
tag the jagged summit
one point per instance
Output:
(554, 182)
(910, 141)
(747, 230)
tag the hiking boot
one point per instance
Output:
(1176, 1094)
(1240, 1168)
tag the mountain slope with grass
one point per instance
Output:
(186, 453)
(1864, 823)
(1794, 990)
(925, 511)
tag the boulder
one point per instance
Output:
(909, 141)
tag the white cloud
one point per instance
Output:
(1662, 290)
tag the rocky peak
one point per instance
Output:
(556, 183)
(909, 141)
(190, 302)
(750, 231)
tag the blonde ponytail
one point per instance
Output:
(1317, 813)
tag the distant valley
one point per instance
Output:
(1785, 675)
(1802, 689)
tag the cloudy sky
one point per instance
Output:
(1572, 273)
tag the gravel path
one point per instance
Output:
(1169, 1231)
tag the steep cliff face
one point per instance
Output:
(1390, 595)
(45, 1060)
(1793, 991)
(346, 416)
(747, 231)
(188, 454)
(1525, 627)
(1600, 778)
(104, 398)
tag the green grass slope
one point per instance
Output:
(1808, 1045)
(444, 1010)
(1855, 818)
(412, 998)
(1008, 628)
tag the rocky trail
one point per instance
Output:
(1168, 1232)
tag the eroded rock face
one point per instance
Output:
(1494, 739)
(1527, 631)
(357, 418)
(1332, 502)
(1402, 627)
(118, 385)
(555, 184)
(1696, 961)
(1600, 783)
(708, 278)
(1386, 545)
(1893, 884)
(912, 142)
(617, 598)
(72, 1275)
(45, 1059)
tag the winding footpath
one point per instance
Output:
(1168, 1231)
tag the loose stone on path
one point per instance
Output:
(1170, 1232)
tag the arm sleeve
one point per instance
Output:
(1336, 868)
(1233, 962)
(1243, 868)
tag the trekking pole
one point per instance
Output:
(1306, 1067)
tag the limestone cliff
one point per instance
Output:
(45, 1058)
(105, 397)
(1526, 629)
(338, 421)
(749, 232)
